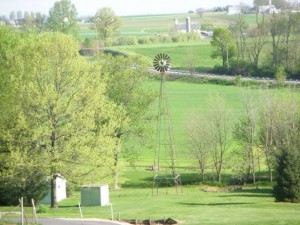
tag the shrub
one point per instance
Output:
(154, 39)
(35, 186)
(144, 40)
(130, 40)
(164, 39)
(193, 36)
(243, 68)
(42, 209)
(180, 37)
(87, 43)
(70, 189)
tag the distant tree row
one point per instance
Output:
(63, 18)
(261, 50)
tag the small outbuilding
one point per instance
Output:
(93, 195)
(233, 10)
(61, 190)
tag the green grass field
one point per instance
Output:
(151, 25)
(182, 54)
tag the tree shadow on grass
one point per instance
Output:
(67, 206)
(261, 192)
(215, 204)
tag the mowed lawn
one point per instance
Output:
(193, 207)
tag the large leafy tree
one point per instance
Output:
(63, 18)
(65, 123)
(106, 23)
(19, 176)
(224, 45)
(126, 86)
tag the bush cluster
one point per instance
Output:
(178, 37)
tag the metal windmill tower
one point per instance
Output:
(165, 165)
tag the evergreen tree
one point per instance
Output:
(287, 187)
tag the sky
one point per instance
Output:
(121, 7)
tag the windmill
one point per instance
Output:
(165, 164)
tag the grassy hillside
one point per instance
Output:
(184, 98)
(165, 23)
(198, 204)
(182, 54)
(151, 25)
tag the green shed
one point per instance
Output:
(92, 195)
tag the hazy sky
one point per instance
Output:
(121, 7)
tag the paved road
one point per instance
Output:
(227, 77)
(60, 221)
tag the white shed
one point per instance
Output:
(233, 10)
(61, 190)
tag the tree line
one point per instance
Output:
(266, 133)
(63, 18)
(268, 47)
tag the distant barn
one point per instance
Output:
(233, 10)
(186, 27)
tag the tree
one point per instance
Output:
(287, 132)
(279, 4)
(12, 15)
(266, 135)
(278, 117)
(284, 29)
(257, 40)
(200, 11)
(68, 121)
(245, 133)
(63, 18)
(223, 42)
(200, 140)
(40, 20)
(239, 29)
(28, 20)
(220, 129)
(20, 174)
(19, 15)
(287, 187)
(125, 86)
(107, 23)
(190, 62)
(280, 75)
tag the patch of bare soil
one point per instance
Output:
(152, 222)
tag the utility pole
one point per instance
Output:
(227, 56)
(97, 37)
